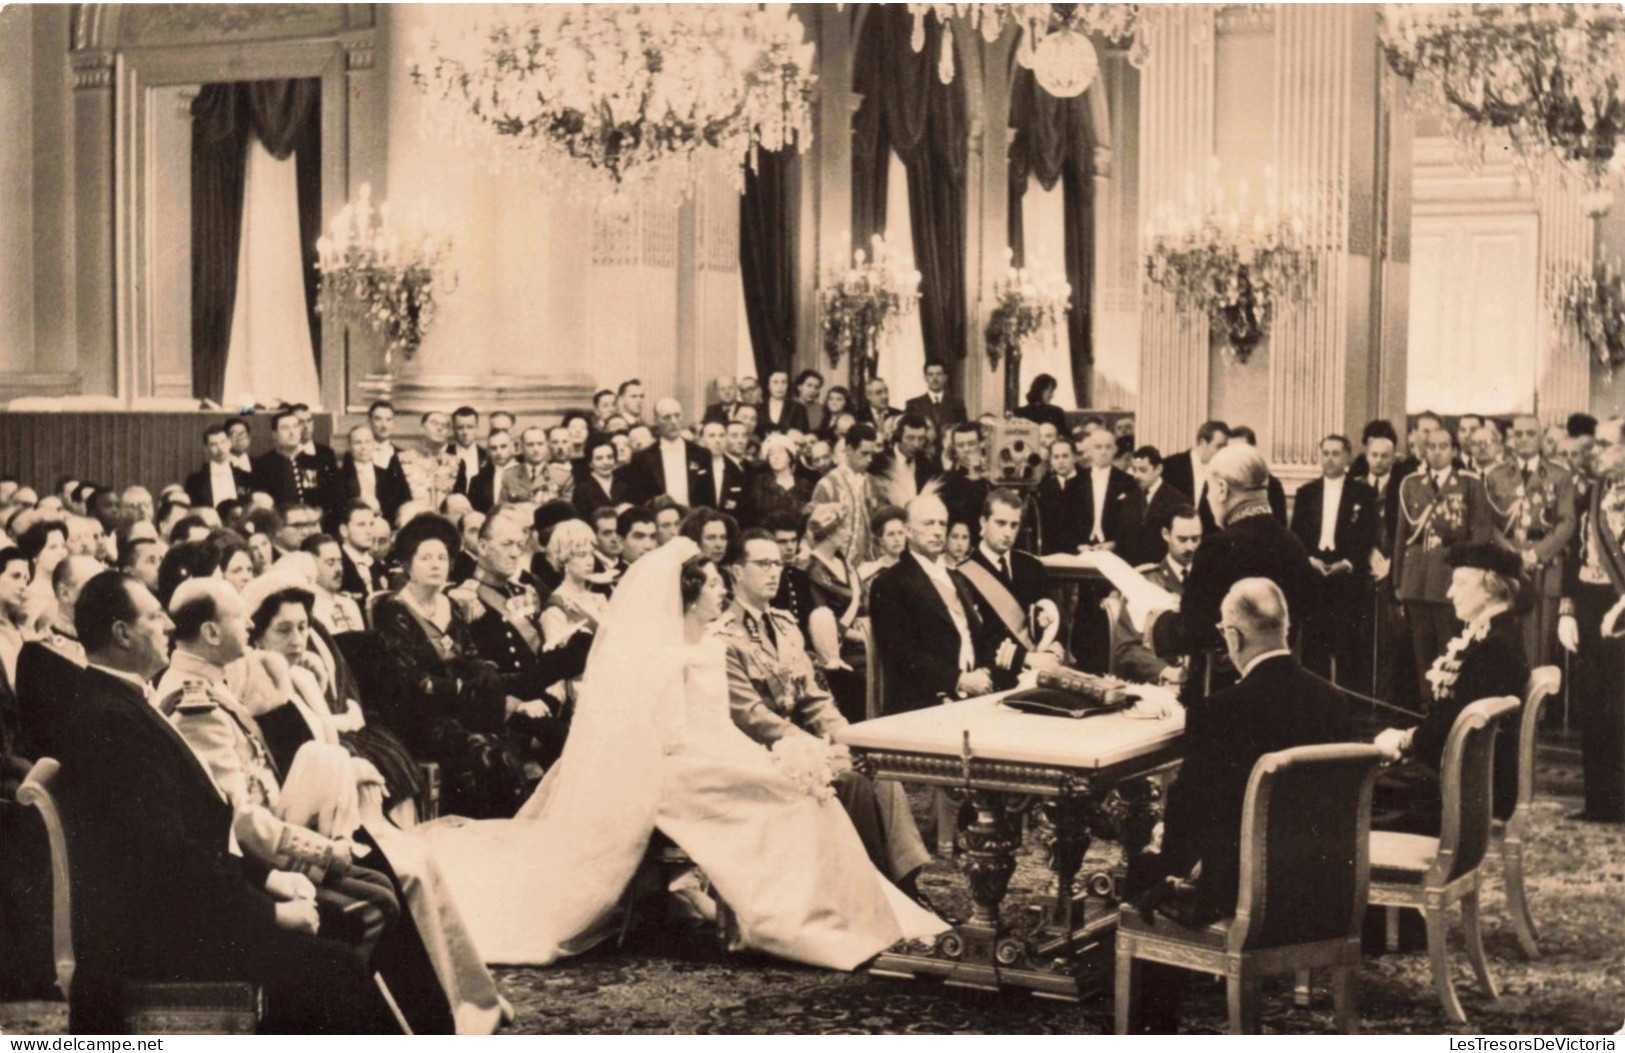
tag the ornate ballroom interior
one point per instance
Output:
(1420, 266)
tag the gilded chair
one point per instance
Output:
(1305, 831)
(1430, 873)
(1510, 833)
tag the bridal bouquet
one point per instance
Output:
(811, 764)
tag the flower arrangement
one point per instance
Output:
(377, 279)
(866, 301)
(1594, 303)
(612, 94)
(1025, 301)
(1236, 273)
(1548, 77)
(811, 764)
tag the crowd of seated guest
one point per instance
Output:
(340, 623)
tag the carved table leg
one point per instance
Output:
(989, 858)
(1142, 809)
(1069, 816)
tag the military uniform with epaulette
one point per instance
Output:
(774, 692)
(1437, 509)
(1531, 503)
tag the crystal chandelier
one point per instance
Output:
(1546, 77)
(1055, 42)
(613, 96)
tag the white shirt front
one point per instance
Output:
(366, 475)
(222, 482)
(241, 460)
(1000, 563)
(1331, 497)
(939, 574)
(674, 460)
(1100, 479)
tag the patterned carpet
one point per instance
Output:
(667, 980)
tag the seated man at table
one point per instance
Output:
(1276, 705)
(774, 693)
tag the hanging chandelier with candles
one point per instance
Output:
(1547, 77)
(1055, 42)
(616, 96)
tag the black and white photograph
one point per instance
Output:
(812, 519)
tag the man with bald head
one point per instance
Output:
(675, 466)
(932, 641)
(1276, 705)
(1250, 543)
(1531, 501)
(722, 410)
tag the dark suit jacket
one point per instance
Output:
(1386, 509)
(1253, 547)
(390, 488)
(155, 887)
(1278, 706)
(947, 413)
(1490, 668)
(482, 489)
(352, 584)
(1061, 513)
(200, 493)
(46, 682)
(1356, 528)
(1026, 583)
(719, 412)
(1118, 513)
(728, 494)
(794, 416)
(588, 495)
(305, 478)
(1178, 471)
(918, 641)
(1142, 541)
(646, 474)
(463, 481)
(964, 497)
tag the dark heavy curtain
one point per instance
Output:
(1053, 141)
(286, 117)
(767, 263)
(907, 108)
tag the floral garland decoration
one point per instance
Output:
(1025, 301)
(612, 95)
(1235, 276)
(375, 278)
(864, 302)
(1593, 302)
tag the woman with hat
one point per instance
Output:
(1485, 660)
(445, 701)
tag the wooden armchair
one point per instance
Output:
(148, 1008)
(1510, 833)
(1304, 866)
(1430, 873)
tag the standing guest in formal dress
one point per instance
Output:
(1188, 472)
(780, 412)
(809, 391)
(503, 452)
(530, 480)
(851, 486)
(934, 645)
(276, 472)
(603, 408)
(728, 487)
(465, 447)
(966, 486)
(320, 452)
(1393, 678)
(1106, 493)
(1061, 502)
(938, 404)
(242, 443)
(1144, 540)
(721, 411)
(774, 693)
(877, 408)
(218, 480)
(162, 895)
(674, 466)
(1335, 517)
(1250, 544)
(1595, 583)
(777, 488)
(629, 400)
(363, 480)
(601, 486)
(1531, 502)
(1038, 407)
(1439, 506)
(1485, 660)
(905, 470)
(1488, 448)
(430, 469)
(1133, 658)
(1194, 877)
(750, 391)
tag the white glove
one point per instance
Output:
(1568, 633)
(287, 886)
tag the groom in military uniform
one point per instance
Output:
(774, 693)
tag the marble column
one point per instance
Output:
(95, 323)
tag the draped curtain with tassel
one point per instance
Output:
(767, 264)
(1053, 141)
(907, 108)
(285, 116)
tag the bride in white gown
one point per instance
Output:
(653, 746)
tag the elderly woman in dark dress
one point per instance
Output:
(1486, 660)
(446, 703)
